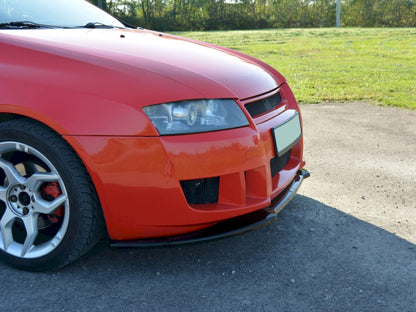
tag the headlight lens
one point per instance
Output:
(196, 116)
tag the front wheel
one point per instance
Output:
(49, 211)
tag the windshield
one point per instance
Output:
(60, 13)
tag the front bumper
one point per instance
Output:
(230, 227)
(146, 185)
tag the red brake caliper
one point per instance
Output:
(51, 190)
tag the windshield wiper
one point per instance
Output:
(23, 25)
(97, 25)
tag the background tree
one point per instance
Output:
(254, 14)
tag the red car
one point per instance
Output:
(150, 138)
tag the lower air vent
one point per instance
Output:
(264, 105)
(278, 163)
(201, 191)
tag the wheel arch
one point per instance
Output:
(10, 112)
(80, 154)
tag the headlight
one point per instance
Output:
(196, 116)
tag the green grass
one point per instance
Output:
(334, 65)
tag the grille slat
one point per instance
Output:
(264, 105)
(278, 163)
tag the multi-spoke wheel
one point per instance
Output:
(49, 212)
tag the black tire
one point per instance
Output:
(49, 210)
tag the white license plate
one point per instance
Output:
(287, 134)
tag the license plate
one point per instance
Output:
(287, 134)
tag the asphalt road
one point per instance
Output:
(345, 243)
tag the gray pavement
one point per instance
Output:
(337, 246)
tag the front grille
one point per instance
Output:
(201, 191)
(278, 163)
(264, 105)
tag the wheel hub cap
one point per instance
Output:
(20, 200)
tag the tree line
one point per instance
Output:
(256, 14)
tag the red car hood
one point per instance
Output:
(209, 70)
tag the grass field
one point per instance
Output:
(336, 65)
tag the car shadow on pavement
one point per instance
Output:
(314, 258)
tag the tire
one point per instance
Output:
(49, 211)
